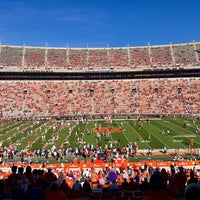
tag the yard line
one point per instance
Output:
(124, 134)
(197, 142)
(138, 134)
(167, 134)
(154, 134)
(181, 128)
(84, 131)
(175, 125)
(111, 137)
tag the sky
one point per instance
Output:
(98, 23)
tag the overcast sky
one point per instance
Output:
(98, 23)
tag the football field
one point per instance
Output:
(147, 134)
(155, 133)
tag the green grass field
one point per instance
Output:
(44, 134)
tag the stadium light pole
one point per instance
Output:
(91, 93)
(45, 56)
(23, 55)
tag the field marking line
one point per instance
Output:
(185, 136)
(167, 134)
(124, 134)
(193, 134)
(85, 125)
(178, 126)
(137, 133)
(154, 134)
(187, 130)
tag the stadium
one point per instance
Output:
(59, 104)
(118, 86)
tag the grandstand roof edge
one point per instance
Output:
(97, 48)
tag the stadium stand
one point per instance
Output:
(116, 97)
(19, 58)
(24, 99)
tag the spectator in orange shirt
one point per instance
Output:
(94, 177)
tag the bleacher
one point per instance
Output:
(27, 58)
(176, 96)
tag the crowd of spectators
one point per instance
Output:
(20, 58)
(148, 183)
(130, 97)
